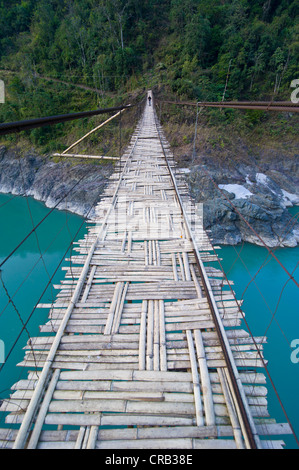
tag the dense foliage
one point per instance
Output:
(196, 49)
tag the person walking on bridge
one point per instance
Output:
(149, 100)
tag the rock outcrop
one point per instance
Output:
(49, 181)
(261, 195)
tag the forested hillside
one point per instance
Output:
(190, 49)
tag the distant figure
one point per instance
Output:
(149, 100)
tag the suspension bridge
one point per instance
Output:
(144, 347)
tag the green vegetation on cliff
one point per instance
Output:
(187, 49)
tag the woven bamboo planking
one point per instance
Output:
(134, 333)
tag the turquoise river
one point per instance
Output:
(26, 273)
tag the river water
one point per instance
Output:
(271, 307)
(25, 275)
(27, 272)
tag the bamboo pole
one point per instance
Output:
(92, 157)
(175, 273)
(196, 282)
(43, 411)
(154, 252)
(236, 407)
(150, 253)
(170, 225)
(93, 434)
(182, 267)
(80, 437)
(146, 260)
(195, 380)
(116, 295)
(156, 336)
(186, 266)
(124, 242)
(163, 352)
(91, 132)
(150, 336)
(89, 283)
(205, 380)
(158, 253)
(231, 410)
(86, 436)
(119, 309)
(142, 336)
(130, 242)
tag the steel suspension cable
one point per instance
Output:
(258, 351)
(246, 222)
(40, 222)
(249, 330)
(50, 280)
(54, 273)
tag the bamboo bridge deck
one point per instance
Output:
(143, 348)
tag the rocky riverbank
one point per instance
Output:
(262, 194)
(49, 181)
